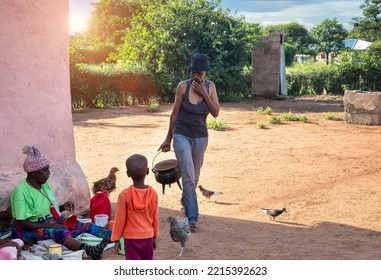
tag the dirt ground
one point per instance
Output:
(326, 173)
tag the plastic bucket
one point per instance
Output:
(55, 248)
(101, 220)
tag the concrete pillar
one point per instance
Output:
(269, 67)
(362, 107)
(35, 97)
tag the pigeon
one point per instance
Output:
(273, 212)
(179, 231)
(108, 183)
(207, 193)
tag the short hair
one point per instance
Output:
(137, 166)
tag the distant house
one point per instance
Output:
(351, 44)
(356, 44)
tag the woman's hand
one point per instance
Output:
(198, 86)
(166, 146)
(68, 206)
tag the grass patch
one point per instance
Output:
(267, 111)
(275, 120)
(213, 123)
(293, 117)
(331, 116)
(261, 125)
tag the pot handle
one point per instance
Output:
(153, 169)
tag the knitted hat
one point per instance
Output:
(34, 160)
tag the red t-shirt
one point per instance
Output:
(100, 204)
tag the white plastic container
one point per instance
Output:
(101, 220)
(55, 248)
(84, 220)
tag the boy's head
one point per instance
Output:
(137, 166)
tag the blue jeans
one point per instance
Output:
(190, 157)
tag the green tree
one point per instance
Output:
(76, 41)
(289, 53)
(165, 34)
(329, 35)
(295, 34)
(375, 48)
(368, 27)
(109, 20)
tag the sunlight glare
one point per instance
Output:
(78, 22)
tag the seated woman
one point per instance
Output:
(11, 249)
(38, 215)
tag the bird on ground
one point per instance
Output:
(108, 183)
(179, 231)
(208, 193)
(273, 212)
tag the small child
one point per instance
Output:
(137, 213)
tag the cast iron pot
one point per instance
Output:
(167, 172)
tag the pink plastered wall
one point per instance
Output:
(35, 103)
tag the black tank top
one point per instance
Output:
(191, 121)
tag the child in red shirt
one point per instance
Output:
(137, 213)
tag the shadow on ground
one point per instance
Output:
(221, 238)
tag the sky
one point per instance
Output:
(308, 13)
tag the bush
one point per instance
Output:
(108, 85)
(313, 79)
(153, 105)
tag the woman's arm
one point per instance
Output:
(166, 146)
(212, 101)
(27, 225)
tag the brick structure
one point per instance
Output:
(269, 69)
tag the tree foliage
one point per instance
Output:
(329, 36)
(295, 34)
(109, 20)
(375, 48)
(165, 34)
(160, 36)
(289, 53)
(368, 27)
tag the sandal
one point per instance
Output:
(193, 228)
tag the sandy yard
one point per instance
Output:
(326, 173)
